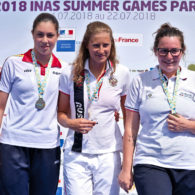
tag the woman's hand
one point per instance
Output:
(125, 180)
(116, 116)
(178, 123)
(82, 125)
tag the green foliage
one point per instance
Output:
(191, 67)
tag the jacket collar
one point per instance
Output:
(155, 74)
(27, 58)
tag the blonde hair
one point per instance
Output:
(92, 28)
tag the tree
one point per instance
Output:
(191, 67)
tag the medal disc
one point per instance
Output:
(175, 114)
(113, 81)
(40, 104)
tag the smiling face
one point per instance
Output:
(99, 48)
(45, 37)
(168, 63)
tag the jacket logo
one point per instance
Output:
(57, 73)
(27, 70)
(188, 95)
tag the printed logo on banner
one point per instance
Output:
(62, 32)
(66, 40)
(128, 39)
(66, 45)
(67, 34)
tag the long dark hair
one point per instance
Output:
(45, 17)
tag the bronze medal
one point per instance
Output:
(40, 104)
(175, 114)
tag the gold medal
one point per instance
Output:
(40, 104)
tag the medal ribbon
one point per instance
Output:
(92, 97)
(41, 84)
(171, 101)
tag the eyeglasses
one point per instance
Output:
(174, 52)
